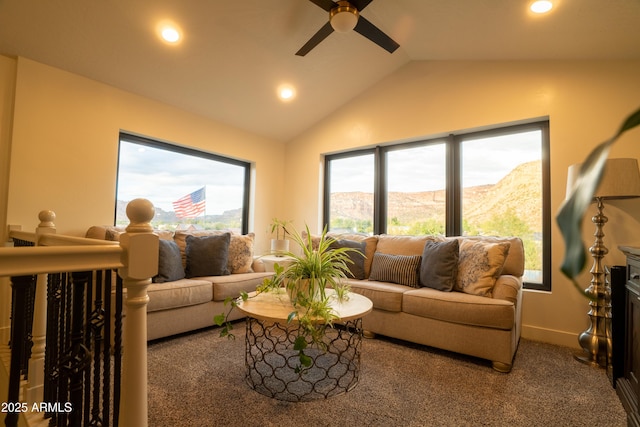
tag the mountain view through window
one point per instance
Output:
(500, 190)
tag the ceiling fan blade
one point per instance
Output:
(360, 4)
(316, 39)
(325, 4)
(374, 34)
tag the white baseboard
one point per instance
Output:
(551, 336)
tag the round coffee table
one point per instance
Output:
(272, 364)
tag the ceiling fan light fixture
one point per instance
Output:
(343, 17)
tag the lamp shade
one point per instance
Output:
(621, 179)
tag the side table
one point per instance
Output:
(271, 361)
(270, 260)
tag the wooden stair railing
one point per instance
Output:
(66, 310)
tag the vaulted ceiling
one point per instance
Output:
(235, 54)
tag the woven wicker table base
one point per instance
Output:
(273, 366)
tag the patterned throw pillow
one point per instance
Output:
(479, 266)
(401, 269)
(241, 253)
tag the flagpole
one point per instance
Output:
(204, 211)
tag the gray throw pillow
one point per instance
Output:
(439, 267)
(169, 262)
(207, 255)
(356, 266)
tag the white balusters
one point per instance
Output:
(35, 384)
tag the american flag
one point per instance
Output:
(191, 205)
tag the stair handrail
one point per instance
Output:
(136, 259)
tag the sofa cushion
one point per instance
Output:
(113, 233)
(439, 265)
(385, 296)
(400, 269)
(169, 262)
(404, 245)
(480, 265)
(459, 307)
(179, 293)
(207, 255)
(356, 266)
(232, 285)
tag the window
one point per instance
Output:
(416, 180)
(502, 189)
(350, 190)
(492, 182)
(189, 188)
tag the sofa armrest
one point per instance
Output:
(258, 265)
(508, 288)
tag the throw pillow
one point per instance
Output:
(207, 255)
(169, 262)
(401, 269)
(480, 265)
(439, 266)
(241, 253)
(356, 266)
(180, 237)
(369, 250)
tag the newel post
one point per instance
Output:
(140, 259)
(35, 383)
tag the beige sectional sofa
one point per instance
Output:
(466, 298)
(187, 293)
(462, 294)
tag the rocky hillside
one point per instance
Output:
(520, 191)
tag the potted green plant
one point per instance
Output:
(280, 244)
(317, 266)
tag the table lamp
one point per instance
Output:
(620, 180)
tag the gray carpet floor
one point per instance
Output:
(198, 380)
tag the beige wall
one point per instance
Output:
(584, 101)
(7, 85)
(65, 148)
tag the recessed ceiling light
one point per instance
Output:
(541, 6)
(286, 92)
(168, 31)
(170, 34)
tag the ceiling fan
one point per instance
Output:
(345, 16)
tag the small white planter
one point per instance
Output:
(279, 247)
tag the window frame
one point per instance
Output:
(453, 214)
(179, 149)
